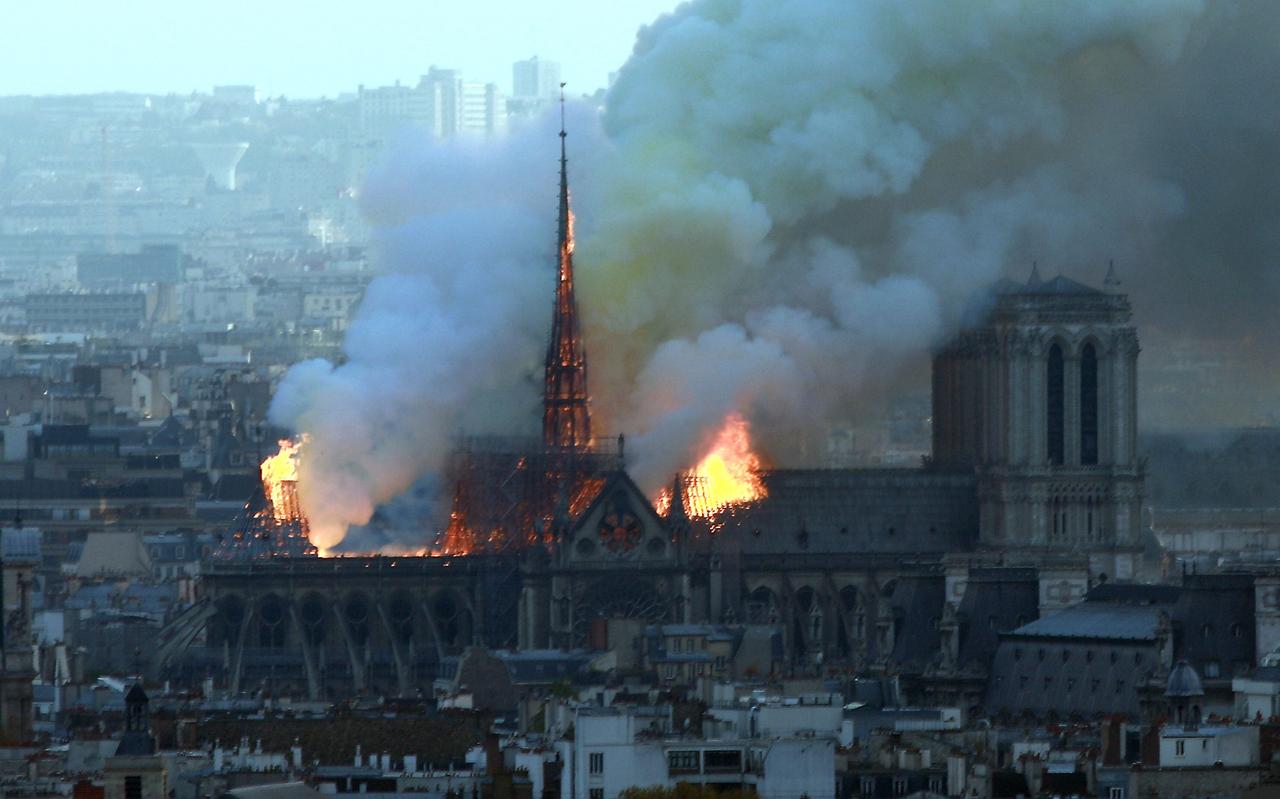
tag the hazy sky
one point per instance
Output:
(304, 48)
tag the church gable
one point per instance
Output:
(619, 524)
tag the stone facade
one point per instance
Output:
(863, 570)
(1040, 400)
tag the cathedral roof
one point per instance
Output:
(856, 510)
(1062, 285)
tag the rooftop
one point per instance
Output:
(1096, 620)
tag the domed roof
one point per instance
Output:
(1183, 682)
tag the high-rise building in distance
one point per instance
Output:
(535, 79)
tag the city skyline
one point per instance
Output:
(159, 50)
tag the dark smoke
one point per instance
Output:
(793, 202)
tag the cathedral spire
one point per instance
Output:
(566, 418)
(1035, 280)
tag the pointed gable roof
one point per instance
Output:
(617, 481)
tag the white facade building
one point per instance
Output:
(442, 104)
(1192, 746)
(1257, 696)
(619, 748)
(535, 79)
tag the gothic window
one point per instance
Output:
(1088, 405)
(272, 630)
(1055, 407)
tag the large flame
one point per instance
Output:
(280, 479)
(726, 477)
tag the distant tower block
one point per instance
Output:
(219, 160)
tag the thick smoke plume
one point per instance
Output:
(789, 205)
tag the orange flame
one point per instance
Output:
(280, 478)
(727, 476)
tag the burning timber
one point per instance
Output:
(551, 545)
(272, 523)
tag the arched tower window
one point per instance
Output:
(1054, 414)
(1088, 405)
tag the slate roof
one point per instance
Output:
(1091, 658)
(1070, 676)
(112, 553)
(171, 435)
(996, 600)
(1062, 285)
(1214, 622)
(856, 510)
(1096, 620)
(917, 607)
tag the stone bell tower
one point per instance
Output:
(135, 771)
(1040, 399)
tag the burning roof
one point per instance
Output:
(271, 524)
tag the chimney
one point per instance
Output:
(410, 763)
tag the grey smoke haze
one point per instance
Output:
(789, 205)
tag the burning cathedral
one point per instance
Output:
(1031, 497)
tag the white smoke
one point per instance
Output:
(444, 339)
(806, 193)
(787, 205)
